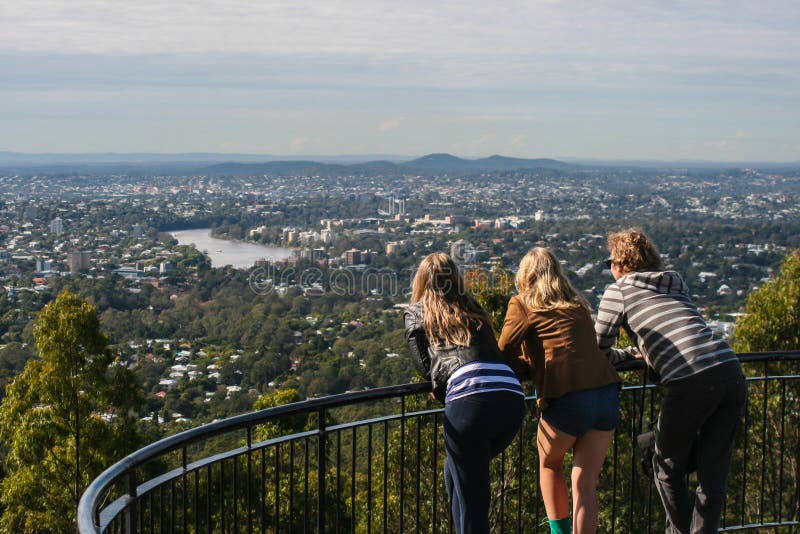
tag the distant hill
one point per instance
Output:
(446, 162)
(255, 164)
(429, 163)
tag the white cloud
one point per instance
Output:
(299, 142)
(539, 73)
(390, 124)
(719, 28)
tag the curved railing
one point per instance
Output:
(371, 460)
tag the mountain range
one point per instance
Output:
(253, 164)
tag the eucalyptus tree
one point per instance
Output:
(65, 418)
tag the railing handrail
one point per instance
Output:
(88, 502)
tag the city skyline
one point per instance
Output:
(656, 80)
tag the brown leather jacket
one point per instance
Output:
(557, 349)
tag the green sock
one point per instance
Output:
(560, 526)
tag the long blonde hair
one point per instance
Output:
(447, 307)
(542, 284)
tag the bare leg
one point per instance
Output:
(588, 456)
(553, 445)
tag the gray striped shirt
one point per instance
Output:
(655, 309)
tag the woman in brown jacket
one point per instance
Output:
(548, 336)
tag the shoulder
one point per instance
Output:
(614, 288)
(413, 316)
(516, 307)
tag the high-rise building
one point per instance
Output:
(78, 261)
(353, 257)
(43, 265)
(57, 226)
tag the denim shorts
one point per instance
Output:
(580, 411)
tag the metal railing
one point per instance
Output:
(371, 461)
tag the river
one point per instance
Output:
(223, 252)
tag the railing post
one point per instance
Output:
(321, 464)
(131, 513)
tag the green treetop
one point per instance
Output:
(65, 418)
(772, 313)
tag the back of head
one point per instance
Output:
(632, 250)
(542, 284)
(447, 306)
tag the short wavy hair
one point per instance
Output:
(632, 250)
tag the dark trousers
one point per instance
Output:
(476, 429)
(707, 409)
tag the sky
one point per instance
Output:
(646, 79)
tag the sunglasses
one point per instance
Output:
(608, 263)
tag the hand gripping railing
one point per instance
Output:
(384, 471)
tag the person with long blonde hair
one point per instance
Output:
(548, 336)
(452, 344)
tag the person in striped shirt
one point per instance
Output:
(704, 386)
(452, 344)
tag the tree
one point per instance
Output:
(772, 313)
(492, 290)
(65, 418)
(771, 322)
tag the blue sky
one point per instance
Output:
(701, 79)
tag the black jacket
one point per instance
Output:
(438, 363)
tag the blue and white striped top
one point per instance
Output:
(481, 377)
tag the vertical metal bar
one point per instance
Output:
(650, 486)
(613, 485)
(291, 486)
(538, 501)
(276, 520)
(369, 478)
(235, 506)
(418, 470)
(130, 514)
(196, 501)
(338, 478)
(402, 460)
(502, 491)
(763, 442)
(321, 468)
(172, 505)
(307, 472)
(208, 499)
(634, 430)
(142, 505)
(353, 485)
(161, 508)
(262, 490)
(519, 475)
(782, 450)
(386, 475)
(248, 492)
(744, 459)
(435, 469)
(222, 494)
(183, 497)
